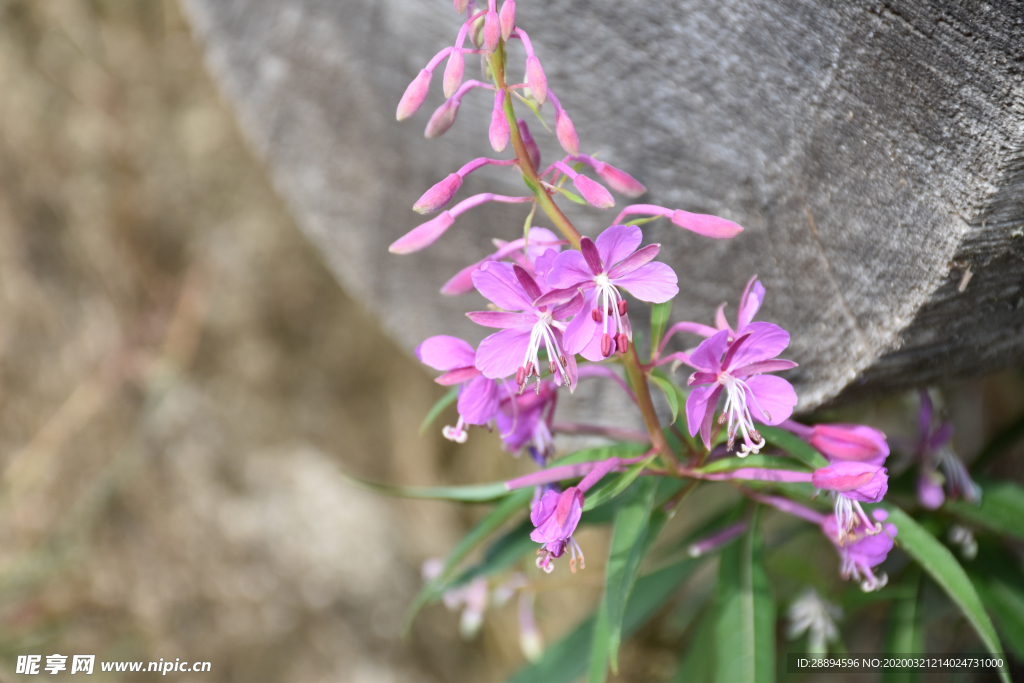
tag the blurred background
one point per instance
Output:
(184, 383)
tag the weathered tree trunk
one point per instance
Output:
(873, 150)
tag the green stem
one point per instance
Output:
(636, 374)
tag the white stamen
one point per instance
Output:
(737, 412)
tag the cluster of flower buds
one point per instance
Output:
(559, 312)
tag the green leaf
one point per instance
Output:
(1001, 509)
(566, 661)
(938, 561)
(449, 398)
(504, 511)
(1006, 602)
(617, 485)
(641, 221)
(905, 628)
(670, 394)
(533, 107)
(629, 541)
(473, 493)
(501, 554)
(569, 194)
(616, 450)
(698, 664)
(768, 462)
(659, 322)
(745, 632)
(794, 445)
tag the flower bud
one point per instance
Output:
(567, 133)
(508, 18)
(499, 132)
(594, 192)
(439, 195)
(929, 490)
(442, 119)
(460, 5)
(536, 79)
(855, 480)
(423, 235)
(619, 180)
(492, 31)
(709, 226)
(453, 72)
(414, 95)
(532, 150)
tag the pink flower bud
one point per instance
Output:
(567, 133)
(499, 132)
(439, 195)
(453, 72)
(709, 226)
(508, 18)
(532, 150)
(929, 490)
(536, 79)
(855, 480)
(422, 236)
(460, 5)
(442, 119)
(414, 95)
(619, 180)
(594, 192)
(492, 31)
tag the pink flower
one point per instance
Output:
(556, 516)
(702, 224)
(533, 257)
(735, 368)
(525, 327)
(853, 483)
(524, 420)
(478, 395)
(611, 262)
(863, 548)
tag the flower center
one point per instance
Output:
(737, 412)
(542, 334)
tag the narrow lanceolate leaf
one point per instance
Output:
(905, 628)
(504, 511)
(768, 462)
(659, 321)
(1001, 509)
(745, 632)
(566, 661)
(794, 445)
(630, 536)
(533, 107)
(670, 395)
(449, 398)
(1006, 602)
(698, 664)
(616, 486)
(474, 493)
(938, 561)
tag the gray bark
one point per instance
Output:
(874, 151)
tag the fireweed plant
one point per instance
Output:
(559, 312)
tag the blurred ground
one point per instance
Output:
(182, 382)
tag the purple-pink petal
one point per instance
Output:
(569, 270)
(654, 282)
(777, 365)
(773, 395)
(591, 256)
(502, 319)
(708, 355)
(457, 376)
(708, 226)
(850, 442)
(750, 302)
(618, 242)
(445, 353)
(501, 354)
(581, 329)
(699, 404)
(478, 401)
(568, 309)
(499, 284)
(634, 260)
(764, 341)
(856, 480)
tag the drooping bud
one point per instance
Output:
(460, 5)
(414, 95)
(499, 132)
(594, 192)
(532, 150)
(476, 33)
(619, 180)
(508, 18)
(622, 307)
(423, 235)
(709, 226)
(567, 133)
(606, 345)
(492, 31)
(442, 119)
(595, 313)
(439, 195)
(536, 79)
(621, 342)
(453, 72)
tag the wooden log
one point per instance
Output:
(874, 151)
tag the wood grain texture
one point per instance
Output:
(873, 150)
